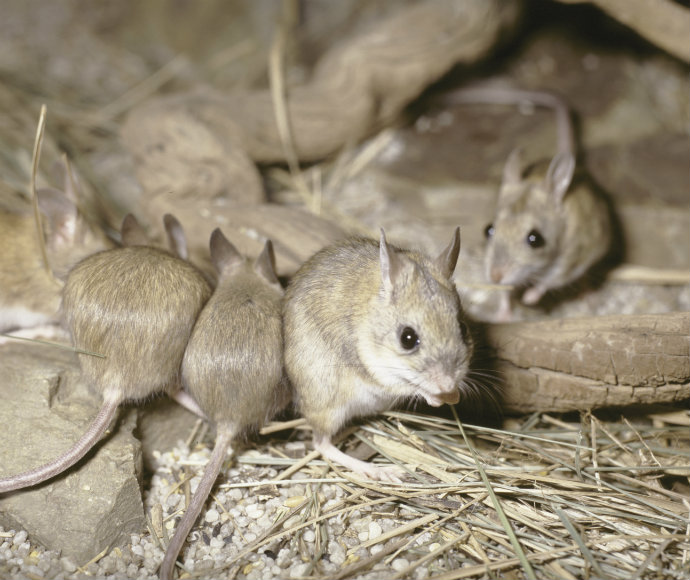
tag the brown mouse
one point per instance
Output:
(136, 307)
(548, 230)
(367, 325)
(233, 365)
(550, 225)
(29, 288)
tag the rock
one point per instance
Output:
(96, 504)
(296, 234)
(163, 424)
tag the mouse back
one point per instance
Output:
(29, 294)
(233, 363)
(136, 306)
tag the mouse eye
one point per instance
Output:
(489, 231)
(409, 339)
(535, 239)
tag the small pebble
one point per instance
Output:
(374, 530)
(212, 516)
(20, 537)
(399, 564)
(299, 570)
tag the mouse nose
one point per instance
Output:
(448, 391)
(496, 274)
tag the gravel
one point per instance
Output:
(233, 518)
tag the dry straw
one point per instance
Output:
(547, 498)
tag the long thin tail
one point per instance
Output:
(495, 95)
(223, 438)
(67, 459)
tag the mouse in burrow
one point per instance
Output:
(233, 365)
(130, 312)
(548, 229)
(550, 224)
(367, 325)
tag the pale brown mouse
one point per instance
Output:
(29, 288)
(136, 306)
(547, 232)
(367, 325)
(233, 363)
(550, 225)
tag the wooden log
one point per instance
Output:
(586, 363)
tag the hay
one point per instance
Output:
(546, 498)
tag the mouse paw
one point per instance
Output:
(389, 473)
(533, 295)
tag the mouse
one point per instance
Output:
(550, 225)
(367, 325)
(548, 229)
(134, 308)
(232, 365)
(29, 288)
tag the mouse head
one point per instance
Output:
(69, 235)
(417, 344)
(229, 262)
(526, 235)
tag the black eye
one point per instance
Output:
(535, 239)
(409, 338)
(489, 231)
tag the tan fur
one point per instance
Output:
(29, 293)
(233, 364)
(342, 350)
(576, 228)
(137, 306)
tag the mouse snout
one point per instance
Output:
(450, 397)
(497, 273)
(442, 390)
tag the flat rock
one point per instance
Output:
(163, 424)
(296, 234)
(96, 504)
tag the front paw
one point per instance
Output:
(533, 295)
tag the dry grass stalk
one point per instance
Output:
(530, 499)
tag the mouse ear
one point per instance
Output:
(512, 170)
(62, 216)
(177, 241)
(390, 263)
(560, 175)
(448, 258)
(223, 253)
(265, 264)
(131, 232)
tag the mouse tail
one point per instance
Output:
(67, 459)
(224, 436)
